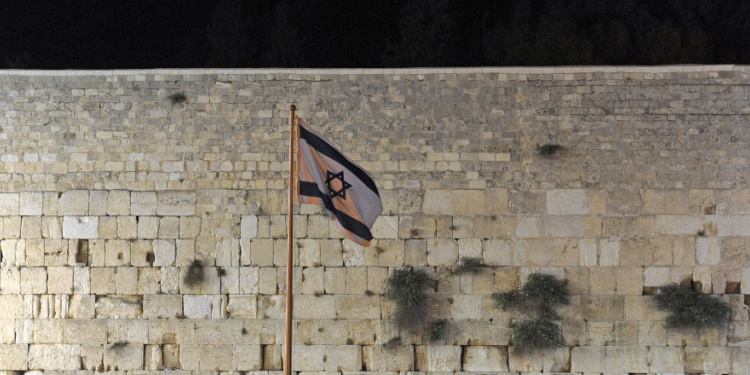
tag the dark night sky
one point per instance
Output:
(113, 34)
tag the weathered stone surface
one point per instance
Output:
(80, 227)
(485, 358)
(9, 204)
(438, 358)
(30, 203)
(54, 357)
(176, 203)
(74, 202)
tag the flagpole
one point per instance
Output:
(290, 236)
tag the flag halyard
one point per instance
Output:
(328, 178)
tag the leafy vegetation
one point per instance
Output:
(548, 149)
(438, 330)
(393, 343)
(689, 309)
(539, 296)
(177, 98)
(406, 287)
(195, 274)
(468, 265)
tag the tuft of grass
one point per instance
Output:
(244, 331)
(414, 232)
(438, 330)
(118, 345)
(393, 343)
(221, 272)
(406, 288)
(468, 265)
(177, 98)
(195, 274)
(507, 301)
(547, 288)
(548, 149)
(536, 334)
(689, 309)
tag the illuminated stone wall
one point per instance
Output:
(108, 194)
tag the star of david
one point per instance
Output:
(330, 177)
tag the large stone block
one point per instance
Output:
(485, 359)
(567, 202)
(438, 358)
(9, 204)
(176, 203)
(143, 203)
(81, 227)
(156, 306)
(54, 357)
(74, 203)
(30, 203)
(343, 358)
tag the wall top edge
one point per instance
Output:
(405, 71)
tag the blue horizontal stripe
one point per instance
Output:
(349, 223)
(326, 149)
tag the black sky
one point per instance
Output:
(366, 33)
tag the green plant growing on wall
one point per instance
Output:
(177, 98)
(393, 343)
(406, 288)
(194, 274)
(438, 330)
(690, 309)
(468, 265)
(118, 346)
(548, 149)
(540, 295)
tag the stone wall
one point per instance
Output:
(109, 193)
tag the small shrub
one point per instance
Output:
(177, 98)
(118, 345)
(194, 274)
(536, 334)
(438, 330)
(413, 232)
(548, 149)
(221, 272)
(406, 288)
(393, 343)
(689, 309)
(468, 265)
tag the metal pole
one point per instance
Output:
(290, 238)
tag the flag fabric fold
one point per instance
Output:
(328, 178)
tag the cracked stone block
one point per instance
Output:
(176, 203)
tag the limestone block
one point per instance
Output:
(343, 358)
(59, 280)
(740, 364)
(30, 203)
(527, 202)
(86, 331)
(629, 281)
(678, 224)
(176, 203)
(169, 227)
(13, 307)
(266, 280)
(98, 202)
(143, 203)
(116, 307)
(242, 307)
(74, 203)
(526, 361)
(609, 252)
(438, 358)
(655, 276)
(197, 307)
(399, 359)
(353, 254)
(309, 357)
(562, 226)
(317, 226)
(485, 359)
(567, 202)
(497, 253)
(108, 227)
(587, 359)
(53, 357)
(153, 358)
(469, 202)
(11, 227)
(13, 357)
(33, 280)
(632, 359)
(247, 357)
(127, 227)
(185, 252)
(118, 203)
(438, 202)
(161, 306)
(116, 253)
(666, 360)
(122, 358)
(312, 307)
(9, 204)
(249, 226)
(357, 307)
(602, 308)
(149, 280)
(717, 360)
(170, 280)
(557, 360)
(249, 280)
(642, 308)
(528, 227)
(312, 281)
(81, 307)
(164, 252)
(707, 251)
(624, 201)
(148, 227)
(497, 201)
(80, 227)
(466, 307)
(51, 227)
(390, 253)
(442, 252)
(50, 203)
(385, 227)
(190, 226)
(13, 253)
(10, 280)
